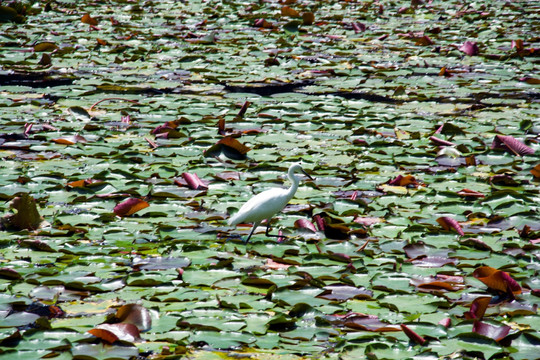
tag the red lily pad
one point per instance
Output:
(511, 144)
(497, 280)
(478, 308)
(130, 206)
(413, 335)
(111, 333)
(496, 333)
(470, 48)
(448, 224)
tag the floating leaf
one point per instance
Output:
(308, 18)
(343, 292)
(512, 145)
(305, 224)
(130, 206)
(497, 280)
(27, 216)
(135, 314)
(449, 224)
(470, 193)
(478, 308)
(70, 140)
(193, 181)
(536, 172)
(470, 48)
(413, 335)
(45, 47)
(496, 333)
(406, 181)
(290, 12)
(111, 333)
(368, 323)
(87, 19)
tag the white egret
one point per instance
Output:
(268, 203)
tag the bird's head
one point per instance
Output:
(296, 167)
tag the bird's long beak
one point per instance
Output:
(305, 173)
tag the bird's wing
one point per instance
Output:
(261, 206)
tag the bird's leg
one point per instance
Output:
(270, 235)
(251, 233)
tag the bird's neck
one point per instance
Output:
(294, 186)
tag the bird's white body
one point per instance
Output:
(262, 206)
(268, 203)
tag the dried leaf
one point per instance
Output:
(130, 206)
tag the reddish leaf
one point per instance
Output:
(274, 265)
(434, 261)
(84, 183)
(290, 12)
(135, 314)
(368, 323)
(497, 280)
(478, 308)
(130, 206)
(536, 172)
(450, 224)
(439, 282)
(168, 129)
(470, 48)
(368, 221)
(408, 181)
(305, 224)
(470, 193)
(70, 140)
(114, 332)
(87, 19)
(8, 273)
(530, 80)
(235, 144)
(262, 23)
(308, 18)
(194, 182)
(319, 221)
(413, 335)
(358, 27)
(496, 333)
(243, 109)
(446, 322)
(228, 175)
(442, 142)
(518, 45)
(511, 144)
(344, 292)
